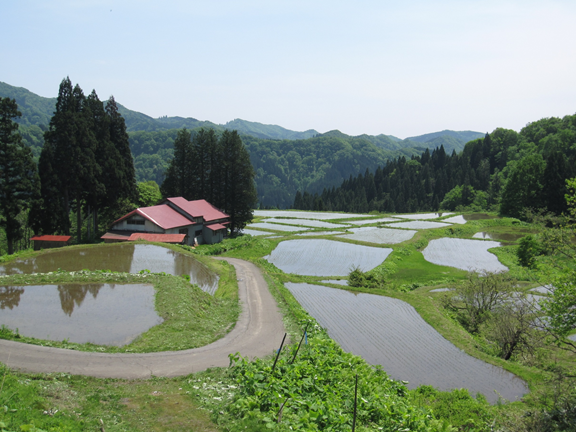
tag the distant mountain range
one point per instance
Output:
(285, 161)
(37, 110)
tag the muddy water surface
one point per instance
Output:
(104, 314)
(389, 332)
(128, 258)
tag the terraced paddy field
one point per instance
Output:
(417, 224)
(465, 254)
(127, 258)
(319, 233)
(373, 220)
(317, 257)
(306, 223)
(253, 232)
(456, 220)
(422, 216)
(380, 235)
(276, 227)
(389, 332)
(103, 314)
(306, 215)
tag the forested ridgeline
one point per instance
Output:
(285, 161)
(505, 170)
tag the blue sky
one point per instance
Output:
(402, 68)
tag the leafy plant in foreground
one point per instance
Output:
(316, 392)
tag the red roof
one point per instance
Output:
(53, 238)
(116, 236)
(162, 215)
(199, 208)
(215, 227)
(163, 238)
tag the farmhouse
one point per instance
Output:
(174, 220)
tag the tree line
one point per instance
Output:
(217, 169)
(85, 165)
(505, 170)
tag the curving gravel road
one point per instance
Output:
(257, 333)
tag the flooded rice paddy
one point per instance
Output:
(389, 332)
(422, 216)
(456, 220)
(465, 254)
(380, 235)
(276, 227)
(319, 233)
(306, 215)
(253, 232)
(373, 220)
(306, 223)
(104, 314)
(325, 257)
(127, 258)
(416, 224)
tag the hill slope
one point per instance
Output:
(285, 161)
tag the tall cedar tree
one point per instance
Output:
(178, 178)
(85, 163)
(218, 171)
(238, 189)
(19, 181)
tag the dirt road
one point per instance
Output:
(257, 333)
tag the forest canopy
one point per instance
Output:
(505, 170)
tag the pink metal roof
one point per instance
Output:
(199, 208)
(163, 238)
(215, 227)
(162, 215)
(54, 238)
(116, 236)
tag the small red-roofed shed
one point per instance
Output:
(50, 241)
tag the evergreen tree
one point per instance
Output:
(19, 182)
(238, 189)
(178, 180)
(85, 164)
(204, 160)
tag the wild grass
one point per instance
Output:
(66, 403)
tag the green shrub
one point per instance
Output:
(457, 407)
(528, 249)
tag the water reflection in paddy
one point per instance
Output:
(128, 258)
(104, 314)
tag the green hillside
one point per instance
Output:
(285, 161)
(260, 130)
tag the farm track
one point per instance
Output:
(256, 334)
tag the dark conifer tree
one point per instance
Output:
(19, 181)
(178, 180)
(239, 190)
